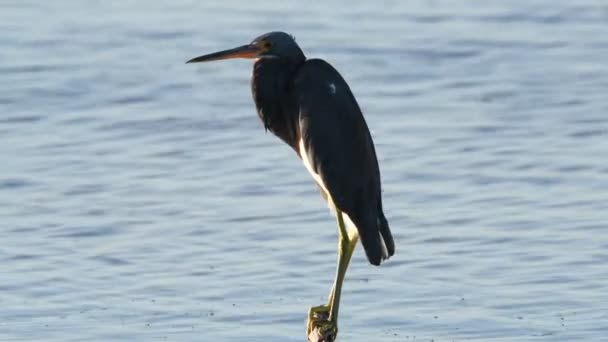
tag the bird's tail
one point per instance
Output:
(377, 239)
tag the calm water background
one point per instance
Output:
(141, 200)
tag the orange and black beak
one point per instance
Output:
(245, 51)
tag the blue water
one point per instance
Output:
(141, 199)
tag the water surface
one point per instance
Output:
(141, 200)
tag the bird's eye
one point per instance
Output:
(267, 44)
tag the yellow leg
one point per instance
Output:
(346, 247)
(322, 322)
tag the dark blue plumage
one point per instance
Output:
(308, 105)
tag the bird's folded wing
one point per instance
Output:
(335, 136)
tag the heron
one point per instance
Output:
(309, 106)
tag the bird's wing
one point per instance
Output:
(337, 140)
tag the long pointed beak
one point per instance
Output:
(245, 51)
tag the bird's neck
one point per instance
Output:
(271, 85)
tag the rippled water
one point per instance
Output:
(141, 200)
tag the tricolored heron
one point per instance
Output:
(308, 105)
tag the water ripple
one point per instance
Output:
(141, 198)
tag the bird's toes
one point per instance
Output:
(319, 312)
(323, 332)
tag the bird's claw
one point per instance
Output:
(319, 328)
(326, 332)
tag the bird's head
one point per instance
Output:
(268, 45)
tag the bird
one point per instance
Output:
(308, 105)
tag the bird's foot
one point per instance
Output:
(318, 327)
